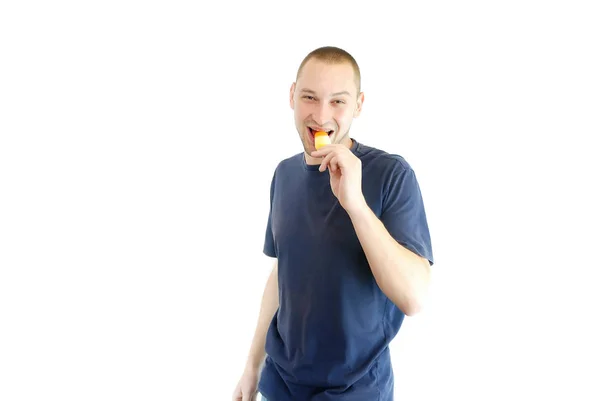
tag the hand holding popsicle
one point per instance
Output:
(345, 173)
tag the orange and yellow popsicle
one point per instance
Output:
(321, 139)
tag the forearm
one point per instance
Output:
(269, 305)
(402, 275)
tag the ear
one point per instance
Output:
(292, 90)
(359, 104)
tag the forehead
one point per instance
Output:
(326, 78)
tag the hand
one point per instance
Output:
(345, 175)
(247, 387)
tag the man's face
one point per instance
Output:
(324, 98)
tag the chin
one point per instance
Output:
(308, 147)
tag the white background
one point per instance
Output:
(138, 140)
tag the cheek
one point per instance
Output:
(343, 116)
(303, 112)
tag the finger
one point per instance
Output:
(334, 164)
(341, 161)
(325, 150)
(326, 161)
(237, 394)
(249, 395)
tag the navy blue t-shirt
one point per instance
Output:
(329, 338)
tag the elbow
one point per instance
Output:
(409, 293)
(412, 303)
(412, 307)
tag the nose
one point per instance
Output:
(322, 114)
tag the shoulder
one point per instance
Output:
(290, 161)
(288, 167)
(379, 161)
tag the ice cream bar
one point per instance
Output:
(321, 139)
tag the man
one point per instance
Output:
(347, 227)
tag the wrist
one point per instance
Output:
(360, 208)
(253, 365)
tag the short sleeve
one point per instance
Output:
(269, 248)
(403, 213)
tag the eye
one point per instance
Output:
(339, 102)
(308, 97)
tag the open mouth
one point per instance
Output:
(312, 131)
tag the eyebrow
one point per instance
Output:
(333, 94)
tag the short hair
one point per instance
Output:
(333, 55)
